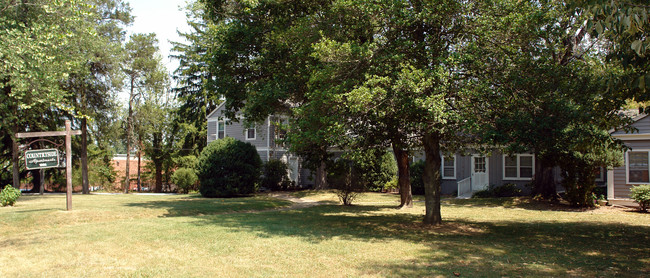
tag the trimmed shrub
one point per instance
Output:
(416, 171)
(9, 195)
(275, 176)
(228, 168)
(641, 194)
(185, 179)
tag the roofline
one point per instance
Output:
(636, 136)
(215, 110)
(634, 120)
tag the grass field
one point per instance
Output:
(187, 236)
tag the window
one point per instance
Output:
(250, 133)
(637, 167)
(518, 167)
(448, 167)
(221, 130)
(600, 174)
(480, 164)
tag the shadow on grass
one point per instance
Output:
(461, 246)
(513, 202)
(198, 206)
(500, 248)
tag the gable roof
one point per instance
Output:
(216, 109)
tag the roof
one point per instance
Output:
(216, 109)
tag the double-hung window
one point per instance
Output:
(448, 167)
(221, 129)
(638, 167)
(250, 133)
(518, 167)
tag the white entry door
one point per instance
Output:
(480, 178)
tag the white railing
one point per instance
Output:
(464, 186)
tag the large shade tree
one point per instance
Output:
(44, 45)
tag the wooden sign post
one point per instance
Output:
(68, 154)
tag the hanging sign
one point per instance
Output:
(41, 159)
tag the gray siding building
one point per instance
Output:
(636, 168)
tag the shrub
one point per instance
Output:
(346, 178)
(9, 195)
(185, 179)
(416, 171)
(375, 167)
(392, 184)
(380, 171)
(641, 194)
(228, 168)
(275, 176)
(504, 190)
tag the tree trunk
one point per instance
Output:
(36, 180)
(321, 177)
(158, 165)
(127, 182)
(84, 158)
(403, 177)
(544, 183)
(139, 172)
(14, 160)
(431, 179)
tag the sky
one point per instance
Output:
(162, 17)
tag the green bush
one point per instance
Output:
(641, 194)
(275, 176)
(185, 179)
(392, 184)
(416, 171)
(379, 174)
(228, 168)
(375, 167)
(504, 190)
(9, 195)
(348, 180)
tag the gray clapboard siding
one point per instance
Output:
(621, 187)
(642, 124)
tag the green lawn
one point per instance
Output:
(187, 236)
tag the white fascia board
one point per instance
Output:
(642, 136)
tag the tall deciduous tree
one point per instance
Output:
(541, 87)
(142, 68)
(43, 43)
(342, 66)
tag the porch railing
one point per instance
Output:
(464, 186)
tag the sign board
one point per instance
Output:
(41, 159)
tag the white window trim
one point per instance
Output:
(254, 133)
(627, 165)
(221, 122)
(518, 178)
(442, 168)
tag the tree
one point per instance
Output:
(195, 89)
(43, 43)
(92, 88)
(144, 73)
(156, 130)
(393, 60)
(542, 86)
